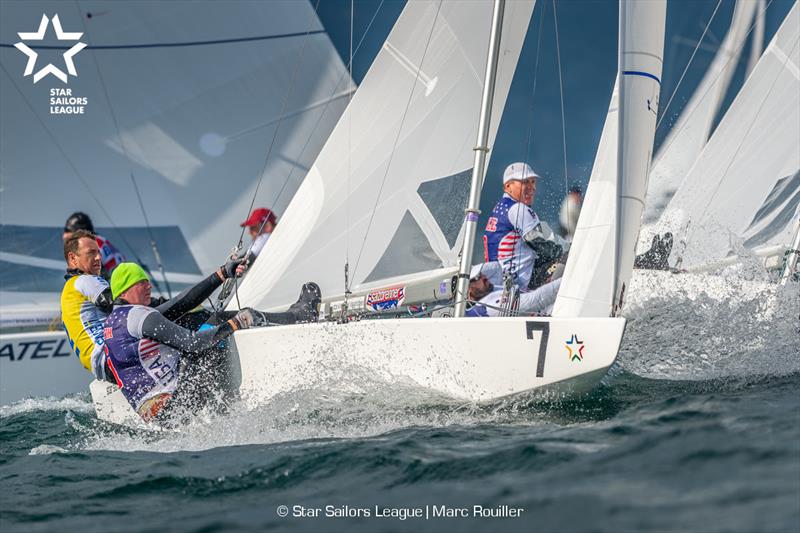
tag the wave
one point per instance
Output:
(80, 403)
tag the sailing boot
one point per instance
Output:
(306, 308)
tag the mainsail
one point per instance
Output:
(745, 187)
(197, 95)
(690, 133)
(387, 194)
(601, 257)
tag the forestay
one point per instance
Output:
(745, 187)
(601, 257)
(690, 133)
(388, 191)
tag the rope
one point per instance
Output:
(397, 137)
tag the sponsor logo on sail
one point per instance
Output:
(385, 298)
(574, 348)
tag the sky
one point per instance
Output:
(587, 31)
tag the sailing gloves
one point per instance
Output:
(248, 318)
(228, 270)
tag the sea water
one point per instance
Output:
(696, 428)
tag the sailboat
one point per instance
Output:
(193, 142)
(404, 149)
(687, 138)
(742, 193)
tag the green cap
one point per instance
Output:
(125, 276)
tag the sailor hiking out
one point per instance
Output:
(151, 356)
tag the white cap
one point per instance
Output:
(493, 271)
(518, 171)
(475, 272)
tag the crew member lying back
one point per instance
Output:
(146, 350)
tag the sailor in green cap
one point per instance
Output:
(151, 356)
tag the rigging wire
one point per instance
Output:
(714, 81)
(561, 93)
(327, 103)
(691, 58)
(72, 166)
(153, 244)
(752, 123)
(297, 63)
(542, 12)
(298, 60)
(397, 137)
(347, 283)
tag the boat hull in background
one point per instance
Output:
(39, 364)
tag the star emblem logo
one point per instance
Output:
(61, 35)
(574, 348)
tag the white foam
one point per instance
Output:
(708, 326)
(47, 449)
(71, 403)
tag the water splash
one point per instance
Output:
(707, 326)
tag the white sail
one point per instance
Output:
(757, 41)
(690, 133)
(601, 257)
(388, 191)
(197, 95)
(745, 187)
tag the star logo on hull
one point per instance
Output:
(574, 348)
(61, 35)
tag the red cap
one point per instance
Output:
(258, 216)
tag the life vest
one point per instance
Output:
(508, 222)
(83, 320)
(145, 370)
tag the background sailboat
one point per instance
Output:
(744, 189)
(185, 100)
(689, 135)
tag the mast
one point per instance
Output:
(478, 168)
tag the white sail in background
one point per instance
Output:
(690, 133)
(388, 191)
(757, 40)
(601, 257)
(745, 186)
(197, 94)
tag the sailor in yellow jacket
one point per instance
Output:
(85, 302)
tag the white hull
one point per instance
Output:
(471, 359)
(39, 364)
(477, 360)
(111, 406)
